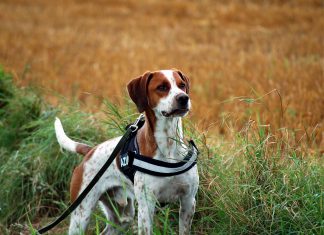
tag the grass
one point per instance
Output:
(263, 190)
(255, 184)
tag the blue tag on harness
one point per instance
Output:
(124, 160)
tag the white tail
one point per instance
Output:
(66, 143)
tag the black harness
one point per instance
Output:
(130, 162)
(125, 164)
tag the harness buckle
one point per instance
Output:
(134, 126)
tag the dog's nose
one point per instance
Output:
(182, 99)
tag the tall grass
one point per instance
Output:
(34, 173)
(261, 189)
(255, 184)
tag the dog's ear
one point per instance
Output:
(137, 90)
(185, 79)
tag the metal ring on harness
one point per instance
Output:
(133, 128)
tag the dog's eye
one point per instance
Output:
(182, 86)
(162, 87)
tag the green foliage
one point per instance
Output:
(18, 107)
(257, 185)
(6, 87)
(263, 189)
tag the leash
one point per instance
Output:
(131, 130)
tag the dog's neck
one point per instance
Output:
(161, 138)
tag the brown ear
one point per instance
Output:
(137, 90)
(185, 79)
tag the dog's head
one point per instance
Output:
(166, 92)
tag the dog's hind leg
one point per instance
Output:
(118, 207)
(81, 215)
(112, 220)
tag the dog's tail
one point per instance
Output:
(68, 144)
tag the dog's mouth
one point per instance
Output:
(175, 113)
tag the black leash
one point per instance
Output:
(131, 130)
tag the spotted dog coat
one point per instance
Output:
(163, 96)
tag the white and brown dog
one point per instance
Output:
(163, 96)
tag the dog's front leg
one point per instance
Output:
(187, 210)
(146, 205)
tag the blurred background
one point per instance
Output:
(257, 74)
(248, 60)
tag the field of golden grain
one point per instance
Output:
(246, 59)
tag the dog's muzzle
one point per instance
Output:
(181, 104)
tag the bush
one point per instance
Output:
(18, 107)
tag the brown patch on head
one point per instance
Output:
(77, 176)
(158, 88)
(137, 90)
(177, 74)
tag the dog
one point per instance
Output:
(164, 98)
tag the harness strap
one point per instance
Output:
(131, 130)
(161, 168)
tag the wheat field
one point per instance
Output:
(247, 60)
